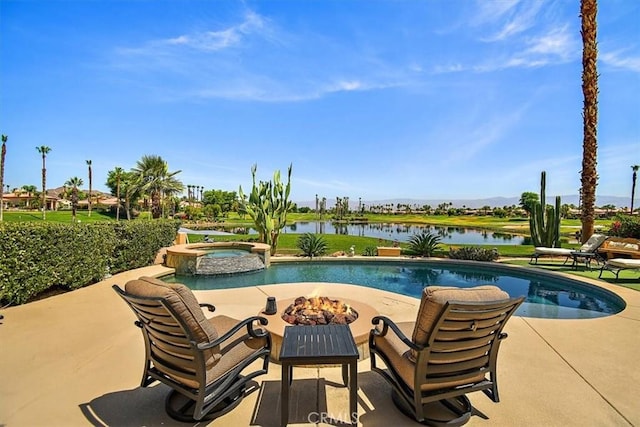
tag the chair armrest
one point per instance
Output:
(209, 307)
(248, 323)
(388, 323)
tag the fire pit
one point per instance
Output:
(319, 311)
(355, 313)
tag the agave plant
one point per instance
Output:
(312, 245)
(424, 244)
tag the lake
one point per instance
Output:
(402, 232)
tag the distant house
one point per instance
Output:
(22, 200)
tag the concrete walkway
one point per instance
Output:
(76, 360)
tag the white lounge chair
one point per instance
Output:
(590, 247)
(616, 265)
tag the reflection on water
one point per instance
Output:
(545, 297)
(399, 232)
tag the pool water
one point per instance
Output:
(547, 296)
(226, 253)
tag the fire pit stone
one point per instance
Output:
(359, 321)
(319, 311)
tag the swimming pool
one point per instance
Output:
(547, 295)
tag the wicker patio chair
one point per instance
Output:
(452, 351)
(201, 359)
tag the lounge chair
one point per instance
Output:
(452, 351)
(616, 265)
(589, 249)
(202, 360)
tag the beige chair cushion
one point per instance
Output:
(435, 297)
(181, 300)
(218, 360)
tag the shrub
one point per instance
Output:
(37, 256)
(424, 244)
(312, 245)
(370, 251)
(625, 226)
(474, 254)
(138, 242)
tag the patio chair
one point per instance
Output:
(588, 250)
(453, 351)
(202, 360)
(616, 265)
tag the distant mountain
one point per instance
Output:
(479, 203)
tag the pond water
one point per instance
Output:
(547, 296)
(401, 232)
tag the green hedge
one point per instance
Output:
(37, 256)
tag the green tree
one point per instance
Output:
(226, 200)
(124, 185)
(527, 200)
(589, 174)
(2, 156)
(90, 184)
(74, 183)
(267, 205)
(157, 182)
(44, 150)
(118, 172)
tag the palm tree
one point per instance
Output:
(90, 184)
(633, 185)
(44, 150)
(2, 155)
(74, 183)
(118, 173)
(156, 181)
(589, 175)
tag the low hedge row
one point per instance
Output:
(37, 256)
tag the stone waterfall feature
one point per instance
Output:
(229, 265)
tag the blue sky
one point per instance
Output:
(373, 99)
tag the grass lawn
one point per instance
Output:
(55, 216)
(627, 278)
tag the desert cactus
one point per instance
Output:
(268, 205)
(544, 222)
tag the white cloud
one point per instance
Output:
(558, 42)
(512, 17)
(221, 39)
(616, 59)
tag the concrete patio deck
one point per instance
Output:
(76, 359)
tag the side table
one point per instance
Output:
(319, 345)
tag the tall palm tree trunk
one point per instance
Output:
(634, 177)
(90, 184)
(589, 178)
(2, 156)
(118, 198)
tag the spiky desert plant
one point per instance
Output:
(268, 206)
(589, 174)
(424, 243)
(312, 245)
(544, 222)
